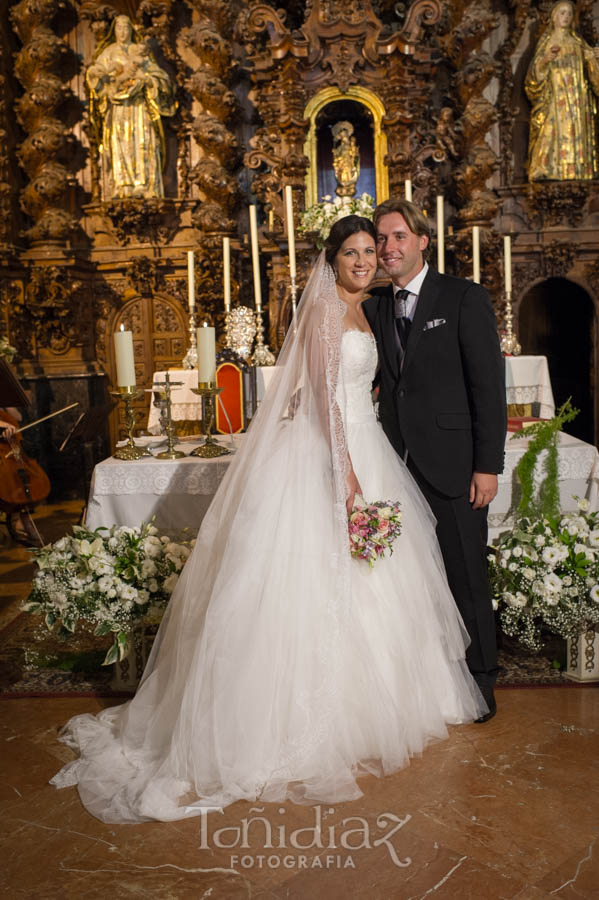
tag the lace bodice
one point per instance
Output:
(358, 366)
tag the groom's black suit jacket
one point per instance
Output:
(446, 402)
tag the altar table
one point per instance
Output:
(578, 472)
(178, 492)
(527, 382)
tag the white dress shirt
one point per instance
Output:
(413, 286)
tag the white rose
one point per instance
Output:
(538, 587)
(152, 585)
(528, 573)
(169, 582)
(520, 599)
(540, 540)
(593, 537)
(552, 583)
(551, 599)
(142, 597)
(550, 555)
(595, 593)
(583, 504)
(148, 567)
(178, 563)
(506, 554)
(513, 567)
(517, 551)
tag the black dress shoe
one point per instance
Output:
(492, 710)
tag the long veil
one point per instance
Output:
(258, 609)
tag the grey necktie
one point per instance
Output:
(402, 321)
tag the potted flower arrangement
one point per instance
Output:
(544, 572)
(321, 217)
(115, 581)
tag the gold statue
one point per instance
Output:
(562, 83)
(129, 92)
(346, 159)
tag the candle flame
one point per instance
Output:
(122, 327)
(204, 324)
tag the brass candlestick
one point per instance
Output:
(208, 391)
(261, 355)
(166, 387)
(509, 341)
(131, 450)
(190, 360)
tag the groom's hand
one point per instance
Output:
(483, 488)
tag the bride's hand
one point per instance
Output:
(353, 488)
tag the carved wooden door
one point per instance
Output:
(159, 341)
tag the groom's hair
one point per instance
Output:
(416, 221)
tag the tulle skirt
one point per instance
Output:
(266, 680)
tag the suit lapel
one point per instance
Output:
(426, 299)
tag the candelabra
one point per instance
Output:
(261, 356)
(190, 361)
(509, 341)
(165, 388)
(208, 391)
(131, 450)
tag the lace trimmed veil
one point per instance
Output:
(265, 549)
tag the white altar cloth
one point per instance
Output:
(527, 381)
(178, 492)
(578, 472)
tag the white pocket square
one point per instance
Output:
(434, 323)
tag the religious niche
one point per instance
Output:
(345, 150)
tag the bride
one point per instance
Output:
(284, 668)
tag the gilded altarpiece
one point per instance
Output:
(441, 85)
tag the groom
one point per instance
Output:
(442, 406)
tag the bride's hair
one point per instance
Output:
(341, 230)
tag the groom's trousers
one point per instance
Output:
(462, 534)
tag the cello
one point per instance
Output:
(23, 482)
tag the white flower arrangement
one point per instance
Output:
(321, 217)
(545, 572)
(116, 581)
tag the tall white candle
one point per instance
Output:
(290, 229)
(125, 361)
(440, 234)
(255, 257)
(191, 280)
(206, 353)
(227, 272)
(408, 189)
(507, 261)
(476, 253)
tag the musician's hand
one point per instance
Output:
(7, 429)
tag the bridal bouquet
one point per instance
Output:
(372, 529)
(114, 580)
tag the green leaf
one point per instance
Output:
(33, 607)
(50, 620)
(112, 655)
(102, 628)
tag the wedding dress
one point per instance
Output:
(285, 669)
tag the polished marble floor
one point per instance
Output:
(509, 809)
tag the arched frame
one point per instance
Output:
(371, 102)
